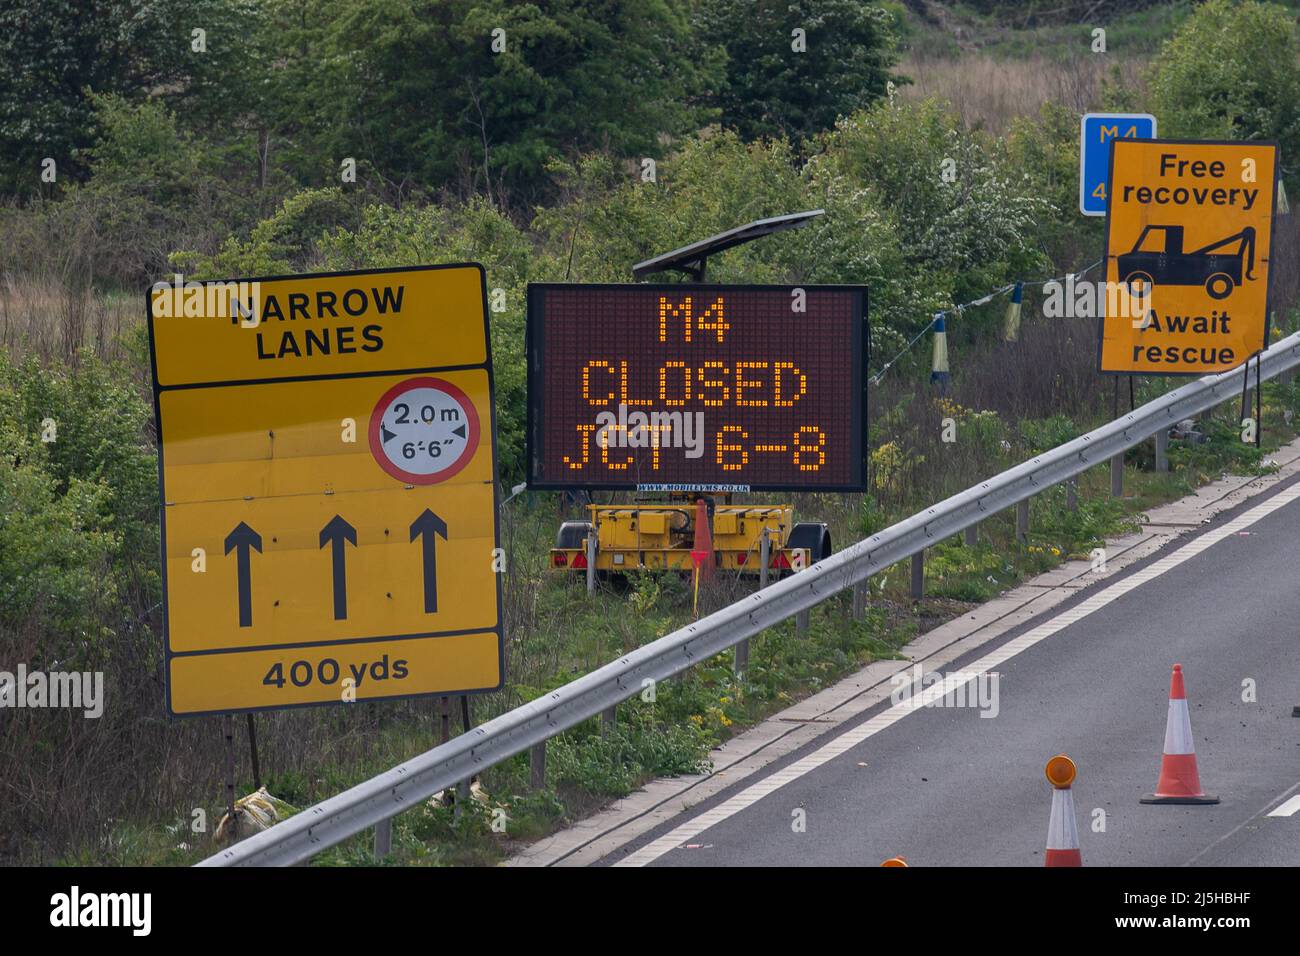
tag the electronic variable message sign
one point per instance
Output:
(697, 387)
(327, 475)
(1189, 229)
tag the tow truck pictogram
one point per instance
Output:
(1142, 268)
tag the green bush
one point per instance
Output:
(55, 549)
(1231, 72)
(102, 432)
(283, 243)
(1045, 152)
(1044, 434)
(1223, 450)
(963, 214)
(78, 505)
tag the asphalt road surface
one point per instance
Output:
(944, 786)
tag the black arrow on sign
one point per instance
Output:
(428, 525)
(337, 532)
(243, 538)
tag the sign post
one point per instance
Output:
(327, 472)
(1188, 241)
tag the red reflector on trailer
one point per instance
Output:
(740, 558)
(781, 561)
(579, 560)
(559, 559)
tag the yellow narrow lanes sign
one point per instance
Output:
(1189, 230)
(343, 323)
(328, 483)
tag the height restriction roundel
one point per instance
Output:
(424, 431)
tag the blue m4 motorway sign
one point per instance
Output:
(1096, 131)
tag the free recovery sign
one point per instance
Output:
(1188, 240)
(327, 475)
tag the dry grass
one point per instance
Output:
(991, 92)
(48, 319)
(1003, 378)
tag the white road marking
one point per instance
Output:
(1248, 822)
(991, 661)
(1287, 809)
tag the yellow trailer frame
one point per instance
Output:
(661, 537)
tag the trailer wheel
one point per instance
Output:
(1219, 285)
(572, 534)
(813, 535)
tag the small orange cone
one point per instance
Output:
(1062, 835)
(1179, 780)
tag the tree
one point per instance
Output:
(56, 54)
(966, 217)
(773, 88)
(480, 94)
(1045, 152)
(1231, 72)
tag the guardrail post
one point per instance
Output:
(1072, 494)
(1022, 521)
(462, 799)
(591, 561)
(1117, 476)
(971, 536)
(1162, 449)
(608, 717)
(1284, 378)
(860, 600)
(383, 838)
(537, 765)
(918, 575)
(801, 621)
(741, 664)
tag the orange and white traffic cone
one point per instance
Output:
(1062, 835)
(1179, 780)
